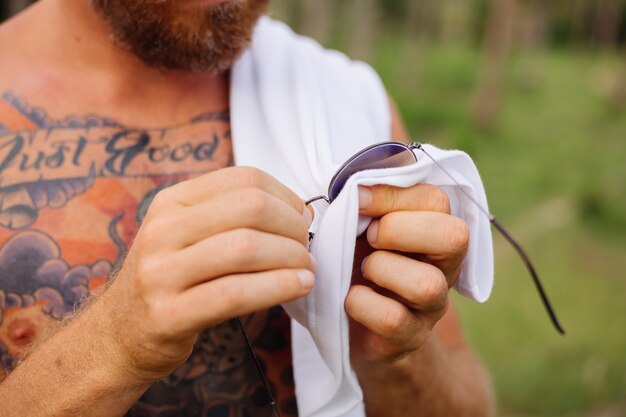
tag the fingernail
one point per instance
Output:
(365, 197)
(306, 278)
(308, 217)
(372, 232)
(363, 267)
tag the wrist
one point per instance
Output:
(425, 360)
(118, 359)
(73, 372)
(407, 382)
(130, 351)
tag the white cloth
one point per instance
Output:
(298, 112)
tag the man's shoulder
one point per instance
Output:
(293, 60)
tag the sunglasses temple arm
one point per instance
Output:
(533, 273)
(507, 236)
(259, 369)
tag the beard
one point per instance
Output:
(173, 36)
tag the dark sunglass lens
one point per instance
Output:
(388, 155)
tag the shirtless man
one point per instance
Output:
(110, 107)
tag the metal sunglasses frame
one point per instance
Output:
(410, 148)
(342, 175)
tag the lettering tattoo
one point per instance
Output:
(72, 194)
(43, 162)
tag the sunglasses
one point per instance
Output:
(396, 155)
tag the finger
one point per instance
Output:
(237, 251)
(378, 200)
(382, 315)
(207, 186)
(444, 239)
(222, 299)
(422, 286)
(242, 208)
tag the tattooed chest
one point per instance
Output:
(72, 195)
(220, 378)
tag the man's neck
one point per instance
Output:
(94, 46)
(71, 38)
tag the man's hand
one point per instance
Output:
(409, 259)
(221, 245)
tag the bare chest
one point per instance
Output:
(73, 192)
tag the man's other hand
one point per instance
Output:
(409, 258)
(221, 245)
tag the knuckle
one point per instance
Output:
(458, 235)
(352, 299)
(392, 321)
(392, 197)
(231, 295)
(434, 289)
(155, 229)
(255, 201)
(161, 312)
(438, 200)
(150, 269)
(251, 176)
(244, 244)
(160, 199)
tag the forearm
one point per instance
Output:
(432, 381)
(73, 373)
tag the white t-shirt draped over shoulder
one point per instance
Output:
(298, 112)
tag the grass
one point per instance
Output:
(554, 168)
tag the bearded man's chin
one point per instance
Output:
(207, 37)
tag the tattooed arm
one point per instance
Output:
(167, 291)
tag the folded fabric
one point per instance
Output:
(322, 345)
(298, 112)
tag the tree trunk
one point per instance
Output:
(533, 32)
(419, 29)
(497, 45)
(579, 28)
(608, 21)
(618, 96)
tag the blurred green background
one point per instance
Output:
(535, 91)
